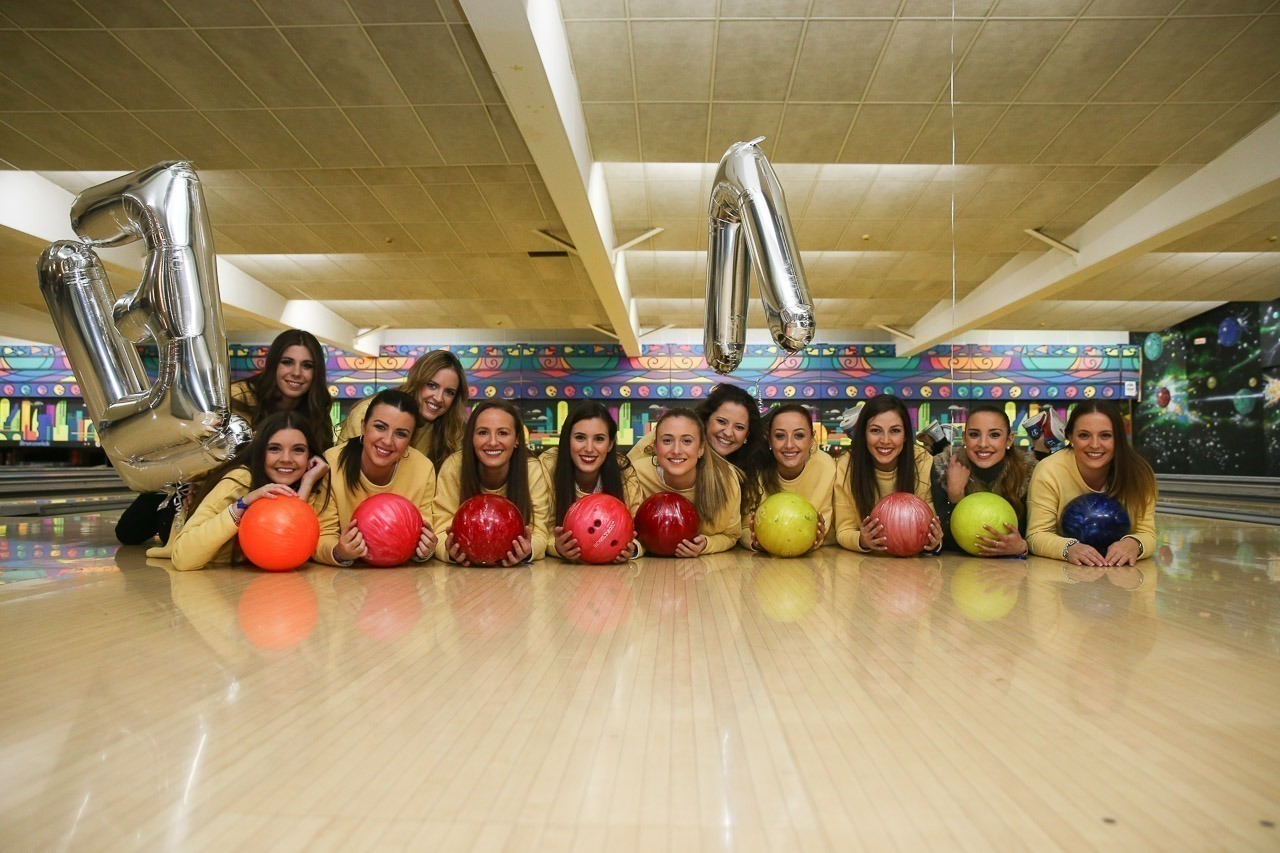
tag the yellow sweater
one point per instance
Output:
(816, 484)
(722, 532)
(209, 534)
(414, 478)
(1054, 483)
(848, 521)
(449, 498)
(352, 426)
(630, 490)
(243, 401)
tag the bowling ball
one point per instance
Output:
(906, 523)
(979, 599)
(665, 520)
(602, 525)
(279, 534)
(1097, 520)
(975, 510)
(786, 524)
(277, 612)
(484, 528)
(391, 526)
(786, 592)
(1163, 396)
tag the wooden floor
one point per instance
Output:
(733, 702)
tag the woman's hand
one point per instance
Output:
(935, 535)
(751, 522)
(996, 544)
(520, 551)
(1123, 552)
(1081, 554)
(629, 553)
(957, 479)
(426, 542)
(452, 549)
(316, 469)
(270, 490)
(872, 536)
(351, 545)
(818, 538)
(567, 544)
(692, 547)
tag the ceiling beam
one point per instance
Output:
(1171, 203)
(525, 44)
(33, 205)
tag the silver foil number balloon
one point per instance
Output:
(749, 228)
(163, 433)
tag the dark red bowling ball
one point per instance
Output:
(906, 523)
(391, 526)
(602, 525)
(664, 521)
(484, 528)
(1163, 396)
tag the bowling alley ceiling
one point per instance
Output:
(394, 166)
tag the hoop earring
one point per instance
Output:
(653, 460)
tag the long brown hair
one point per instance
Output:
(748, 457)
(610, 469)
(444, 436)
(1015, 473)
(714, 472)
(349, 456)
(517, 469)
(862, 467)
(1131, 479)
(314, 406)
(770, 482)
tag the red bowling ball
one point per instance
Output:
(391, 526)
(279, 534)
(602, 526)
(906, 523)
(664, 521)
(484, 528)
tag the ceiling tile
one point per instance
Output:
(395, 134)
(436, 237)
(22, 152)
(509, 134)
(407, 203)
(754, 59)
(126, 136)
(481, 74)
(1093, 131)
(187, 64)
(966, 129)
(916, 62)
(306, 204)
(51, 14)
(224, 13)
(307, 12)
(511, 201)
(425, 62)
(36, 69)
(672, 8)
(1239, 69)
(673, 132)
(357, 204)
(673, 60)
(195, 139)
(601, 59)
(1224, 133)
(574, 9)
(460, 202)
(1176, 50)
(1023, 132)
(106, 63)
(1003, 56)
(1087, 56)
(482, 236)
(462, 134)
(393, 12)
(836, 60)
(268, 66)
(328, 136)
(1163, 132)
(346, 63)
(259, 135)
(613, 132)
(881, 133)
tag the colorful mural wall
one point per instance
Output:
(1211, 393)
(39, 400)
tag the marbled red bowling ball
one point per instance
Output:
(906, 523)
(390, 526)
(602, 525)
(484, 528)
(665, 520)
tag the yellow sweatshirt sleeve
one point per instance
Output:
(445, 505)
(1050, 489)
(639, 453)
(723, 531)
(1144, 529)
(847, 521)
(211, 529)
(351, 427)
(331, 515)
(540, 499)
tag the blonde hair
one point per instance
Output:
(445, 437)
(714, 472)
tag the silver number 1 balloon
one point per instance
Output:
(163, 433)
(749, 227)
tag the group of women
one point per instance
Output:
(418, 441)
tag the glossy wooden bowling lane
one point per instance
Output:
(733, 702)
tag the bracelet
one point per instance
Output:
(1141, 549)
(1070, 542)
(237, 510)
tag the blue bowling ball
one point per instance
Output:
(1097, 520)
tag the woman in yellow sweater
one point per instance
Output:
(495, 460)
(439, 384)
(279, 461)
(586, 462)
(679, 462)
(378, 461)
(1098, 459)
(795, 464)
(292, 378)
(882, 460)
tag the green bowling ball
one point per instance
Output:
(786, 524)
(975, 510)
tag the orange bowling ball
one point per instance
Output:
(279, 534)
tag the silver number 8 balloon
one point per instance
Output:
(164, 433)
(748, 224)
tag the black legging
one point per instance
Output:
(145, 519)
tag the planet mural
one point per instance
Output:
(1163, 396)
(1229, 331)
(1153, 346)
